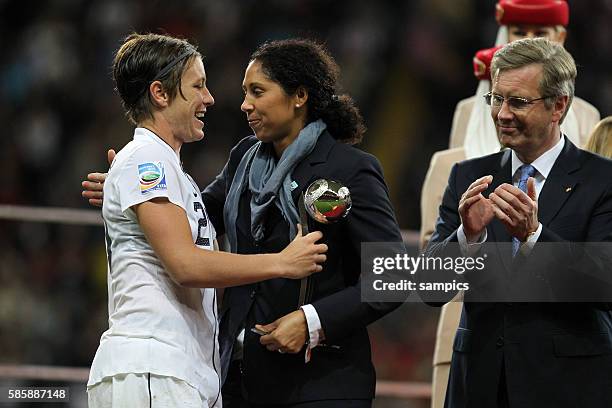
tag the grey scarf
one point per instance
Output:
(268, 180)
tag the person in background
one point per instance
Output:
(161, 347)
(518, 19)
(600, 141)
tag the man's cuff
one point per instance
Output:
(527, 246)
(469, 249)
(314, 325)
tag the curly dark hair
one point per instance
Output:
(302, 62)
(144, 58)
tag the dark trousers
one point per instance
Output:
(502, 390)
(233, 396)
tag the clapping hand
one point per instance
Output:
(475, 210)
(517, 210)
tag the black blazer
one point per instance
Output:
(344, 373)
(550, 354)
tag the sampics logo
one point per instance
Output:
(151, 177)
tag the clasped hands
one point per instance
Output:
(287, 334)
(517, 210)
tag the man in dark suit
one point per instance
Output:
(542, 189)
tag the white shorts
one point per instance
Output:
(143, 390)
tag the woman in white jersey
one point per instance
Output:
(161, 347)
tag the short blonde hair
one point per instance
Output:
(600, 140)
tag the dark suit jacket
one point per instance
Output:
(345, 373)
(551, 354)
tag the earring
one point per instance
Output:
(297, 105)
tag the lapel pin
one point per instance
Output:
(568, 189)
(294, 185)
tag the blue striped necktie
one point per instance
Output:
(525, 171)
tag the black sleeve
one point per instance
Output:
(371, 220)
(445, 232)
(448, 219)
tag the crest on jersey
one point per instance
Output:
(151, 177)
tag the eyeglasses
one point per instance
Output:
(515, 103)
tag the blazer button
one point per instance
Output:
(500, 341)
(253, 292)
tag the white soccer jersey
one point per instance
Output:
(155, 325)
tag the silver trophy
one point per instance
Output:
(326, 201)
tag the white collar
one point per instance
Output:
(544, 163)
(145, 134)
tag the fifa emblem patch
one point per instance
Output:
(151, 177)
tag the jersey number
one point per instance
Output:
(202, 223)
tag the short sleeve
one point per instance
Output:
(147, 174)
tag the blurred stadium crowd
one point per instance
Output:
(407, 63)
